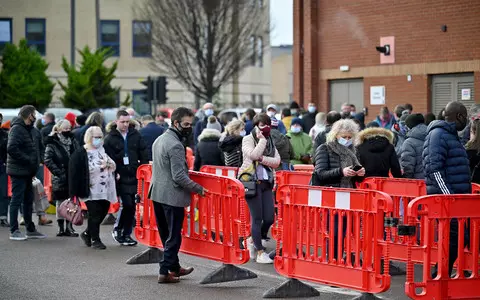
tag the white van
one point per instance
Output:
(10, 113)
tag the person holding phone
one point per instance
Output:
(377, 154)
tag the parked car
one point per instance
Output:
(60, 112)
(10, 113)
(235, 113)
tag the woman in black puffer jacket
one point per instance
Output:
(231, 143)
(207, 151)
(60, 145)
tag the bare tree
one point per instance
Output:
(203, 43)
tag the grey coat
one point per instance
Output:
(170, 182)
(411, 154)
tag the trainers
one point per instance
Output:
(4, 223)
(128, 241)
(98, 245)
(35, 235)
(86, 239)
(251, 248)
(264, 258)
(17, 235)
(117, 236)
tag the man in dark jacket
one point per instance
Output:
(309, 118)
(126, 147)
(48, 122)
(446, 164)
(22, 165)
(3, 176)
(411, 158)
(321, 138)
(283, 145)
(150, 132)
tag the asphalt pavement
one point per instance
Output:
(64, 268)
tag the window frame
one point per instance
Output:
(10, 21)
(44, 42)
(253, 45)
(259, 51)
(110, 44)
(141, 44)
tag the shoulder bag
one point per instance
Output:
(70, 209)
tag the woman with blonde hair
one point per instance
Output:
(231, 143)
(92, 180)
(59, 147)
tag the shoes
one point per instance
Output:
(61, 232)
(4, 223)
(17, 235)
(35, 235)
(98, 245)
(70, 231)
(251, 248)
(263, 258)
(22, 222)
(168, 279)
(42, 221)
(182, 272)
(117, 236)
(264, 242)
(86, 239)
(128, 241)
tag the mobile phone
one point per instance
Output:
(357, 168)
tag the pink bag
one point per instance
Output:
(71, 211)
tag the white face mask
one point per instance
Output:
(271, 114)
(243, 133)
(97, 143)
(344, 142)
(209, 112)
(295, 129)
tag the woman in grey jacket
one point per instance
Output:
(412, 149)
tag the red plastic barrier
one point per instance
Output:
(303, 168)
(9, 187)
(47, 182)
(221, 225)
(220, 171)
(190, 158)
(436, 212)
(307, 235)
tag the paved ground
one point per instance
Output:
(63, 268)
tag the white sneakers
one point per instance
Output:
(262, 258)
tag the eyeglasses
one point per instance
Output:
(98, 137)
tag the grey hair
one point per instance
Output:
(321, 118)
(345, 125)
(62, 124)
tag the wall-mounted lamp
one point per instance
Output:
(384, 49)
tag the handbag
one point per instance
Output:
(40, 199)
(70, 209)
(249, 181)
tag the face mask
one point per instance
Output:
(67, 134)
(97, 143)
(185, 131)
(295, 129)
(265, 131)
(209, 112)
(312, 109)
(353, 113)
(243, 133)
(344, 142)
(271, 114)
(294, 111)
(44, 122)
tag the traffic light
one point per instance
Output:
(162, 90)
(147, 93)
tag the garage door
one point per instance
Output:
(447, 88)
(348, 90)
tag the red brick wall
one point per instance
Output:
(349, 30)
(476, 78)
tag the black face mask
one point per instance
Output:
(67, 134)
(185, 132)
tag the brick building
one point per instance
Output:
(434, 59)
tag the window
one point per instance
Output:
(35, 33)
(253, 99)
(260, 101)
(142, 39)
(110, 36)
(252, 43)
(260, 51)
(5, 33)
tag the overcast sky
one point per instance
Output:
(281, 15)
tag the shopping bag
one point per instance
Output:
(40, 199)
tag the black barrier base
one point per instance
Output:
(149, 256)
(292, 288)
(228, 273)
(109, 220)
(366, 296)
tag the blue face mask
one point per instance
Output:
(312, 109)
(97, 143)
(44, 122)
(295, 129)
(209, 112)
(344, 142)
(243, 133)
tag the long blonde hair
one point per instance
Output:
(233, 128)
(62, 124)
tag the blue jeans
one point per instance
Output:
(40, 174)
(3, 192)
(22, 193)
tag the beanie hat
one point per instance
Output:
(213, 124)
(297, 121)
(413, 120)
(294, 105)
(71, 118)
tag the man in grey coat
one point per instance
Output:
(411, 158)
(171, 190)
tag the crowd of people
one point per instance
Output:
(97, 162)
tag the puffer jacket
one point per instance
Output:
(400, 137)
(376, 153)
(57, 159)
(445, 161)
(207, 151)
(22, 150)
(137, 155)
(231, 146)
(283, 145)
(3, 146)
(411, 154)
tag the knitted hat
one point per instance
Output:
(71, 118)
(297, 121)
(213, 124)
(413, 120)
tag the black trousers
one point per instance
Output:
(127, 214)
(97, 210)
(169, 223)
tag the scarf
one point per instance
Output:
(270, 148)
(348, 158)
(65, 142)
